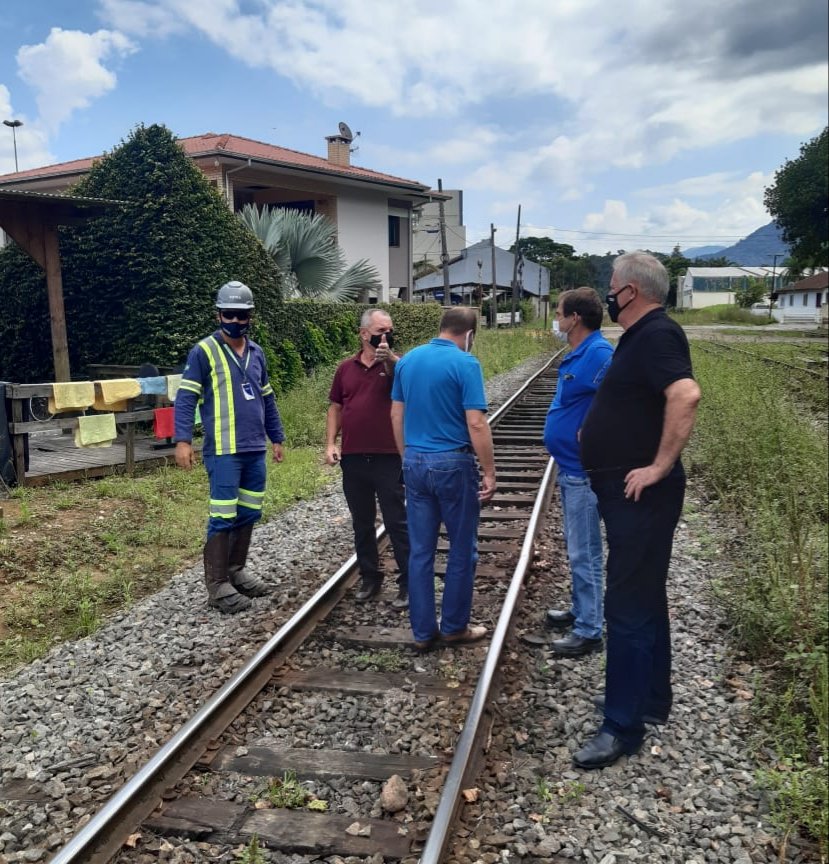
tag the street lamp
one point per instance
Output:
(13, 125)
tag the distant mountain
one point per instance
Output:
(758, 249)
(699, 251)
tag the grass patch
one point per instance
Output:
(722, 314)
(763, 462)
(289, 793)
(501, 350)
(387, 660)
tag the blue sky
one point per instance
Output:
(628, 125)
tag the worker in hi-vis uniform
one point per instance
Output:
(227, 378)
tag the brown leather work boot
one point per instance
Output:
(221, 594)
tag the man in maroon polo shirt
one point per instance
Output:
(360, 410)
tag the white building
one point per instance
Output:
(714, 286)
(802, 302)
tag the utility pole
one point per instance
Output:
(493, 302)
(444, 255)
(515, 271)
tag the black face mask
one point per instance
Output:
(374, 341)
(613, 307)
(235, 329)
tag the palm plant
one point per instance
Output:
(305, 248)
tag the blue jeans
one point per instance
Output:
(441, 487)
(237, 490)
(639, 539)
(583, 536)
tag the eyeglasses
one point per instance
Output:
(235, 314)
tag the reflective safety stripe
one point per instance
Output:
(192, 386)
(253, 500)
(224, 415)
(267, 390)
(223, 508)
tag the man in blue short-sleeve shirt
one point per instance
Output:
(439, 420)
(577, 321)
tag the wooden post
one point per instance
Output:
(444, 255)
(18, 443)
(57, 316)
(129, 448)
(493, 310)
(514, 305)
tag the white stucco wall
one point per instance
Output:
(363, 231)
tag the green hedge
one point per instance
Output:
(312, 333)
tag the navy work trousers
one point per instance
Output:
(368, 478)
(639, 539)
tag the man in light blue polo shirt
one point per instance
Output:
(577, 320)
(439, 421)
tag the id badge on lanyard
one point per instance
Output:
(247, 391)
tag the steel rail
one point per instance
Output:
(101, 838)
(503, 409)
(439, 834)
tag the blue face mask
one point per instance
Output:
(234, 329)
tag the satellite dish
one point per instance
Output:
(345, 131)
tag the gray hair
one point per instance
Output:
(365, 318)
(648, 273)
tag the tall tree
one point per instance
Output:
(799, 202)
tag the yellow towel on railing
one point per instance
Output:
(173, 382)
(112, 394)
(69, 395)
(95, 430)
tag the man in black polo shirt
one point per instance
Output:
(360, 408)
(631, 440)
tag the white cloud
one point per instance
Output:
(67, 71)
(630, 100)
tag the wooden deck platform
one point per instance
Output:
(54, 456)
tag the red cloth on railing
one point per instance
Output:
(164, 422)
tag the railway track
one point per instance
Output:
(348, 672)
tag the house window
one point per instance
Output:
(817, 300)
(805, 299)
(394, 230)
(791, 299)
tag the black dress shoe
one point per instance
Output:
(559, 620)
(650, 719)
(575, 646)
(370, 588)
(601, 751)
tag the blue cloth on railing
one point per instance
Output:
(156, 386)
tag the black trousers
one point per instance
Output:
(367, 479)
(639, 539)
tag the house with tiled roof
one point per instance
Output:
(373, 211)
